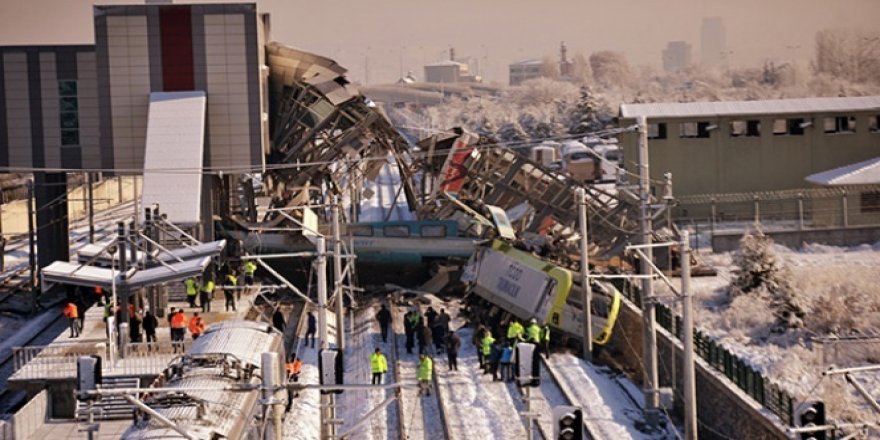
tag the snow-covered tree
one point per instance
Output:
(586, 115)
(511, 131)
(763, 274)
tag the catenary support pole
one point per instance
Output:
(271, 375)
(32, 251)
(91, 207)
(121, 243)
(337, 278)
(586, 289)
(687, 315)
(651, 377)
(321, 269)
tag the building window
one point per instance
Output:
(840, 124)
(796, 126)
(785, 127)
(870, 201)
(657, 131)
(694, 130)
(68, 115)
(748, 128)
(753, 128)
(874, 124)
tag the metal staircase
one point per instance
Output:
(110, 407)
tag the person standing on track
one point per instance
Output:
(378, 366)
(312, 329)
(294, 368)
(425, 374)
(384, 318)
(485, 348)
(545, 340)
(515, 331)
(409, 327)
(453, 343)
(533, 332)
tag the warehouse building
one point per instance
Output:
(743, 146)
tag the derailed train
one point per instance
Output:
(528, 287)
(226, 355)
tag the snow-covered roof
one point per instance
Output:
(532, 61)
(765, 107)
(862, 173)
(445, 63)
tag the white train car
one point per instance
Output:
(227, 354)
(528, 287)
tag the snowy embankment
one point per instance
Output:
(838, 289)
(612, 404)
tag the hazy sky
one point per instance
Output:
(381, 33)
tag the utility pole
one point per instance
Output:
(32, 252)
(121, 242)
(321, 269)
(91, 208)
(337, 278)
(651, 377)
(687, 315)
(586, 289)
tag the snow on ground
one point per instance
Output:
(382, 205)
(609, 410)
(838, 285)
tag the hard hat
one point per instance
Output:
(533, 321)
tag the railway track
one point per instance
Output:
(408, 402)
(16, 280)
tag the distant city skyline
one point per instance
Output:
(382, 39)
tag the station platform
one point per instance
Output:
(56, 362)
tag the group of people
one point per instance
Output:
(178, 324)
(204, 291)
(496, 354)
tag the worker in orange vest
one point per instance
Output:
(178, 329)
(196, 326)
(72, 314)
(294, 368)
(99, 295)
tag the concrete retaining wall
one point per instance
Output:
(723, 410)
(25, 422)
(851, 236)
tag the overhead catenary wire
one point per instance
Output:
(245, 169)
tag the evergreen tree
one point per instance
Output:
(762, 274)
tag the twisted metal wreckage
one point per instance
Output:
(327, 139)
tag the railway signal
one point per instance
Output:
(568, 423)
(809, 415)
(528, 368)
